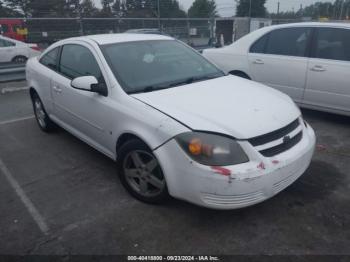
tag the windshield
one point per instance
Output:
(145, 66)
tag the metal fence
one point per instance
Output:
(200, 33)
(11, 72)
(196, 31)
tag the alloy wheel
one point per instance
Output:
(143, 173)
(39, 112)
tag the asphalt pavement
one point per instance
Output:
(60, 196)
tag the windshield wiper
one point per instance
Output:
(189, 80)
(151, 88)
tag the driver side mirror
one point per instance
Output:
(90, 84)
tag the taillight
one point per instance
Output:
(36, 48)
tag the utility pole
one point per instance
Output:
(77, 7)
(158, 7)
(278, 8)
(250, 8)
(341, 10)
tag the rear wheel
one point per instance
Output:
(41, 116)
(19, 59)
(140, 172)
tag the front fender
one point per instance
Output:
(148, 124)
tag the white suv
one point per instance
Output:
(308, 61)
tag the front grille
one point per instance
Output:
(278, 141)
(264, 139)
(282, 147)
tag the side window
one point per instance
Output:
(332, 43)
(289, 41)
(260, 45)
(78, 61)
(5, 43)
(50, 59)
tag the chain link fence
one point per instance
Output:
(195, 32)
(198, 32)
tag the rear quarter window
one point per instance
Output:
(50, 59)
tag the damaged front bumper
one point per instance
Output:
(234, 186)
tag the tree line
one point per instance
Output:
(109, 8)
(335, 10)
(338, 9)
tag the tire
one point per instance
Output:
(241, 74)
(140, 173)
(19, 59)
(42, 118)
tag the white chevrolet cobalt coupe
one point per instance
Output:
(173, 121)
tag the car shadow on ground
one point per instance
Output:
(324, 116)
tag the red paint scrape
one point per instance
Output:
(261, 165)
(275, 162)
(221, 170)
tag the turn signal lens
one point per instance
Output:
(195, 146)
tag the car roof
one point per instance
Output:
(105, 39)
(143, 29)
(316, 24)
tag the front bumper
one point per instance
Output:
(247, 184)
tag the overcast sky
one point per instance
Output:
(228, 7)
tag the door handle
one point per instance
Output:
(57, 89)
(318, 68)
(258, 62)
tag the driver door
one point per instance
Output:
(84, 113)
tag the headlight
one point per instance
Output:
(212, 150)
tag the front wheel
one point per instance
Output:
(140, 172)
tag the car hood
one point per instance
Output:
(229, 105)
